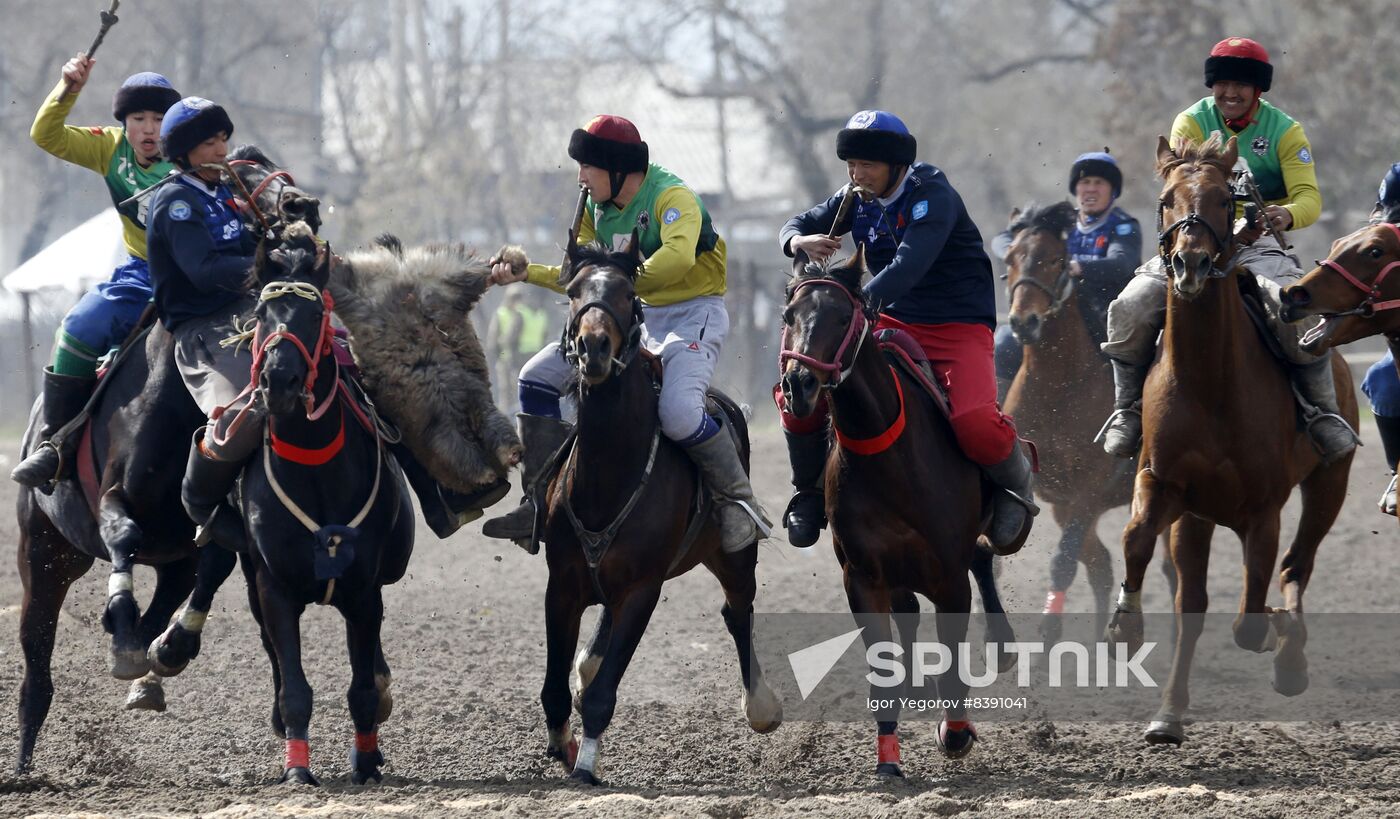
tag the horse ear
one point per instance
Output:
(261, 259)
(1230, 154)
(1015, 214)
(1165, 154)
(852, 271)
(634, 252)
(800, 260)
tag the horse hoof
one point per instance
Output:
(565, 755)
(1165, 732)
(129, 663)
(583, 777)
(172, 651)
(889, 771)
(956, 743)
(1124, 628)
(1290, 682)
(364, 766)
(146, 695)
(300, 776)
(763, 710)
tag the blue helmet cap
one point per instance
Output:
(146, 91)
(1100, 164)
(188, 123)
(878, 136)
(1389, 193)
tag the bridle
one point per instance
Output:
(1368, 306)
(312, 357)
(1164, 235)
(633, 330)
(284, 177)
(856, 333)
(1060, 292)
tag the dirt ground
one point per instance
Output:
(464, 633)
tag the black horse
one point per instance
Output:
(326, 505)
(130, 511)
(621, 517)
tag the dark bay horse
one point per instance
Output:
(140, 423)
(905, 517)
(1064, 384)
(1222, 444)
(327, 510)
(621, 517)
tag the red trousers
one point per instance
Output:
(961, 356)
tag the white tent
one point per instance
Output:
(75, 261)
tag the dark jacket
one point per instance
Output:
(199, 252)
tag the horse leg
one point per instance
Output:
(586, 663)
(1064, 563)
(173, 583)
(362, 622)
(1154, 508)
(282, 619)
(735, 573)
(1190, 553)
(1098, 570)
(247, 562)
(563, 607)
(870, 601)
(953, 600)
(1252, 628)
(999, 631)
(382, 680)
(1323, 493)
(122, 615)
(172, 650)
(630, 619)
(48, 565)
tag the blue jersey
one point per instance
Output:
(199, 252)
(925, 251)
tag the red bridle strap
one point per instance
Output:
(886, 439)
(309, 457)
(267, 180)
(1372, 290)
(855, 332)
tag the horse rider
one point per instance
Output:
(1104, 249)
(1280, 159)
(1382, 383)
(128, 158)
(931, 279)
(681, 286)
(201, 255)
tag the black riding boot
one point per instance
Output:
(64, 398)
(542, 437)
(445, 510)
(805, 517)
(209, 479)
(1013, 507)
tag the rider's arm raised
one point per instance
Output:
(547, 275)
(923, 242)
(1299, 177)
(91, 148)
(208, 268)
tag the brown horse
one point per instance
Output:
(621, 517)
(906, 506)
(1063, 385)
(1221, 443)
(1355, 291)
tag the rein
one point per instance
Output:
(252, 197)
(1369, 306)
(1164, 235)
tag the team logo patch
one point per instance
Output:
(671, 215)
(863, 120)
(1260, 144)
(920, 210)
(1124, 229)
(180, 211)
(1304, 156)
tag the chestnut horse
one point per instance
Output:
(1064, 384)
(1355, 291)
(1222, 444)
(621, 517)
(906, 506)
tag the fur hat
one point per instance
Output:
(147, 91)
(1239, 59)
(188, 123)
(878, 136)
(611, 143)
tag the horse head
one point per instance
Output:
(272, 189)
(825, 322)
(1195, 212)
(293, 307)
(605, 315)
(1349, 290)
(1038, 282)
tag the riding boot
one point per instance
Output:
(805, 516)
(1331, 434)
(446, 510)
(1389, 427)
(209, 479)
(1122, 433)
(542, 437)
(1013, 506)
(64, 398)
(741, 519)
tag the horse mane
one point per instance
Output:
(252, 153)
(840, 272)
(600, 255)
(1210, 152)
(1057, 218)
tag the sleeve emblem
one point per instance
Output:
(180, 210)
(920, 210)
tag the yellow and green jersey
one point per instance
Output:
(1275, 148)
(684, 256)
(105, 151)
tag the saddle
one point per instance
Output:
(904, 352)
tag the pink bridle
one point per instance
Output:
(1368, 305)
(856, 332)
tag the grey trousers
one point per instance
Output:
(1138, 315)
(213, 374)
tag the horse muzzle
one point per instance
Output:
(1027, 328)
(595, 357)
(296, 207)
(800, 389)
(1190, 270)
(282, 389)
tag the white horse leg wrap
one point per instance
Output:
(588, 754)
(1129, 601)
(118, 582)
(191, 619)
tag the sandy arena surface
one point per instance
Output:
(464, 634)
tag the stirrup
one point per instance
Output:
(1388, 494)
(1031, 507)
(765, 529)
(1135, 409)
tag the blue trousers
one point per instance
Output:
(104, 316)
(1382, 386)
